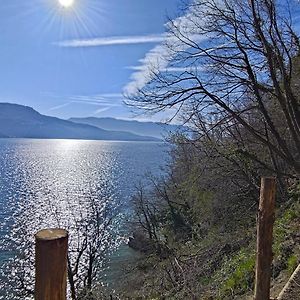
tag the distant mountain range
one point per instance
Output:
(157, 130)
(18, 121)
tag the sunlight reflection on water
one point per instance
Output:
(51, 183)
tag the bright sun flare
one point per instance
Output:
(66, 3)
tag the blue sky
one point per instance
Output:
(78, 61)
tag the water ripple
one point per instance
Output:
(63, 183)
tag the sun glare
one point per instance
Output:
(66, 3)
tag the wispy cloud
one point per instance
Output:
(101, 110)
(168, 69)
(113, 40)
(158, 58)
(57, 107)
(104, 101)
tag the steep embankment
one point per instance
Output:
(221, 265)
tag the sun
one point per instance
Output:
(66, 3)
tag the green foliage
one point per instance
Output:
(292, 263)
(206, 212)
(285, 225)
(236, 275)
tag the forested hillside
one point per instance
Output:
(240, 92)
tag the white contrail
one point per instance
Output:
(114, 40)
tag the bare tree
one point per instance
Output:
(94, 237)
(92, 222)
(238, 62)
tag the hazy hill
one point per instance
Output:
(157, 130)
(24, 122)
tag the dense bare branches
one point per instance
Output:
(234, 78)
(238, 62)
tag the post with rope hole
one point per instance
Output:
(265, 222)
(51, 250)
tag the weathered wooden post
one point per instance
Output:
(264, 255)
(51, 264)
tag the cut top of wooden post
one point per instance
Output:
(51, 250)
(51, 234)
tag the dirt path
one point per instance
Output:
(291, 291)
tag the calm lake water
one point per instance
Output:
(48, 182)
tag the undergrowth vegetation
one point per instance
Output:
(239, 94)
(218, 263)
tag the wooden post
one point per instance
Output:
(51, 264)
(264, 255)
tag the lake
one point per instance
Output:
(50, 183)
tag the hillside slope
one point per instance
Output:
(157, 130)
(24, 122)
